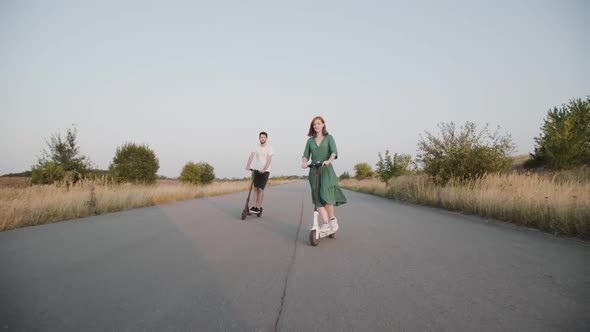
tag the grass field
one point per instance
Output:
(22, 205)
(13, 182)
(555, 202)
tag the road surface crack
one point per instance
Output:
(291, 263)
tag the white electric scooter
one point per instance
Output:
(315, 233)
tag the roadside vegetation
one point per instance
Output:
(471, 170)
(63, 185)
(461, 168)
(40, 204)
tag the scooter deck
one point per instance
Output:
(326, 233)
(258, 214)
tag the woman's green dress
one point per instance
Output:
(330, 192)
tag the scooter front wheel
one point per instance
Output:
(331, 236)
(313, 239)
(244, 212)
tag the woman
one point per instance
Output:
(322, 148)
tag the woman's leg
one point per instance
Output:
(330, 210)
(333, 222)
(323, 213)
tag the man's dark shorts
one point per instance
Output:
(260, 179)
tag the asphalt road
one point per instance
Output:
(196, 266)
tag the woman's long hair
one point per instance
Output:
(311, 132)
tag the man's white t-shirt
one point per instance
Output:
(261, 155)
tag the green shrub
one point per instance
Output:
(564, 142)
(134, 163)
(47, 173)
(363, 171)
(197, 173)
(344, 176)
(464, 154)
(63, 158)
(389, 167)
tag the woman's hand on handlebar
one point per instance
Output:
(304, 165)
(326, 163)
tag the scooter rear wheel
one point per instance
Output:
(331, 236)
(313, 240)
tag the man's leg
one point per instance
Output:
(260, 198)
(255, 192)
(263, 180)
(255, 200)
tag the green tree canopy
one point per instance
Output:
(61, 159)
(197, 173)
(389, 167)
(464, 153)
(362, 171)
(134, 163)
(564, 141)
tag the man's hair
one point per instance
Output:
(263, 133)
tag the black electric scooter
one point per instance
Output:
(249, 203)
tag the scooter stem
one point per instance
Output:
(315, 224)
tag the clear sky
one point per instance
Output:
(197, 81)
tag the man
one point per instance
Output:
(260, 160)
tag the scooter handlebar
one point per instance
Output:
(316, 165)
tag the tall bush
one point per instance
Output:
(134, 163)
(389, 167)
(564, 142)
(362, 171)
(62, 158)
(47, 173)
(197, 173)
(465, 153)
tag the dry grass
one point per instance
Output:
(20, 207)
(581, 175)
(519, 160)
(559, 204)
(369, 186)
(14, 182)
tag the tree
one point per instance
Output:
(389, 167)
(134, 163)
(464, 154)
(62, 159)
(25, 174)
(197, 173)
(344, 176)
(363, 171)
(47, 173)
(564, 141)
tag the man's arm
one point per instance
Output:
(249, 161)
(267, 164)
